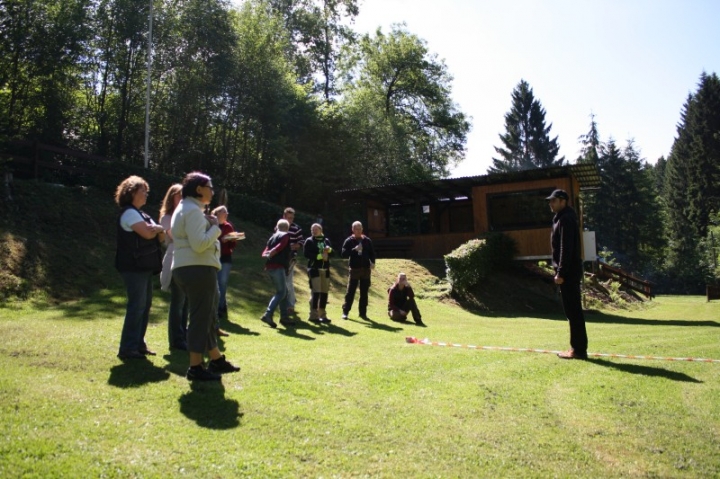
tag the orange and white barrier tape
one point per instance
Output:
(427, 342)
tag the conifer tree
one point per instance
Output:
(526, 141)
(692, 181)
(590, 141)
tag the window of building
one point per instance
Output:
(519, 210)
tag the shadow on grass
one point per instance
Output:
(178, 362)
(292, 331)
(599, 317)
(332, 328)
(235, 328)
(594, 316)
(645, 370)
(375, 325)
(207, 405)
(135, 373)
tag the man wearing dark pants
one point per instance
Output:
(567, 262)
(358, 248)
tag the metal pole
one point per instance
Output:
(147, 95)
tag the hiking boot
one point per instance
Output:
(572, 354)
(287, 322)
(268, 321)
(222, 365)
(199, 373)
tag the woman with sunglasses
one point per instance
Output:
(195, 265)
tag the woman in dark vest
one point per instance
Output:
(137, 258)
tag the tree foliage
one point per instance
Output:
(625, 213)
(397, 101)
(692, 182)
(277, 98)
(526, 141)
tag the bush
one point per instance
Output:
(473, 261)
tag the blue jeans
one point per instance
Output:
(138, 286)
(289, 280)
(177, 316)
(223, 276)
(279, 281)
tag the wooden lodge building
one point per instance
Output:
(431, 218)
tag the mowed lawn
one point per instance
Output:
(354, 399)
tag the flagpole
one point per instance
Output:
(147, 94)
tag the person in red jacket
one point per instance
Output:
(277, 254)
(228, 240)
(401, 301)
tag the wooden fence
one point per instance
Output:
(626, 279)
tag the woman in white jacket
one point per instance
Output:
(195, 264)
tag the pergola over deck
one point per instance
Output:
(430, 218)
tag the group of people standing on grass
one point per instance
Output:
(196, 265)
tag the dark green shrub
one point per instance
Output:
(475, 260)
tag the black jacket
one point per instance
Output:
(363, 259)
(312, 250)
(565, 241)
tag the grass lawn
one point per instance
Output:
(353, 399)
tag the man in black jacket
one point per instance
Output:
(567, 261)
(358, 248)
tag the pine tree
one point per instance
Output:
(526, 141)
(590, 142)
(625, 212)
(692, 181)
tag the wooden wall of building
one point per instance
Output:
(435, 246)
(533, 242)
(376, 224)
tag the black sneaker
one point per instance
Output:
(345, 316)
(324, 321)
(199, 373)
(222, 365)
(125, 355)
(268, 321)
(420, 323)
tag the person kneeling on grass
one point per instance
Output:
(401, 301)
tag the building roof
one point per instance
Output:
(586, 174)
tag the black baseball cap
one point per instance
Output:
(559, 194)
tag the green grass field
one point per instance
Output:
(353, 399)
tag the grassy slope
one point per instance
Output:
(353, 399)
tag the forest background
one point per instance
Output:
(281, 100)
